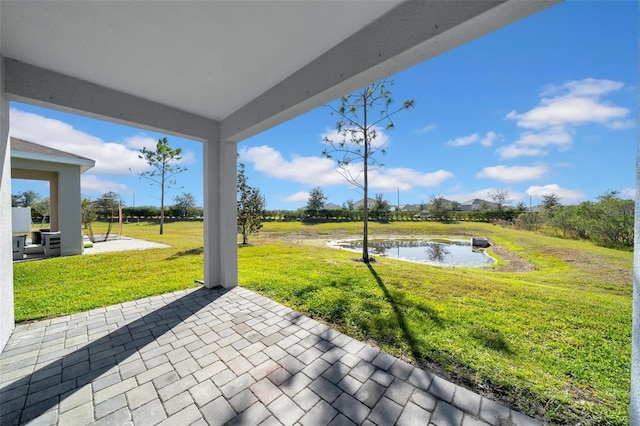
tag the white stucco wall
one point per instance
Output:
(6, 257)
(65, 195)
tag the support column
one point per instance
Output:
(54, 202)
(69, 211)
(220, 214)
(6, 253)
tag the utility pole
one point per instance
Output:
(398, 208)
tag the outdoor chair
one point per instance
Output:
(51, 243)
(18, 243)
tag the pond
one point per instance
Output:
(440, 252)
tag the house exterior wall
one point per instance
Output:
(64, 184)
(6, 257)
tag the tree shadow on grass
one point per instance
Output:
(492, 339)
(408, 335)
(193, 252)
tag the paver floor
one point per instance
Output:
(218, 357)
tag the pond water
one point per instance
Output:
(440, 252)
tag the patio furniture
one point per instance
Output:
(18, 243)
(51, 243)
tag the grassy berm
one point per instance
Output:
(547, 330)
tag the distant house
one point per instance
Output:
(410, 208)
(475, 205)
(331, 206)
(360, 203)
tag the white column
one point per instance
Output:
(69, 211)
(6, 253)
(220, 214)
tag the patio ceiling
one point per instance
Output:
(247, 65)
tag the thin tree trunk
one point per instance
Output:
(365, 212)
(162, 201)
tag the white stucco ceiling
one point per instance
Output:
(208, 58)
(246, 65)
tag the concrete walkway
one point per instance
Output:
(218, 357)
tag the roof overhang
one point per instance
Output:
(84, 165)
(185, 67)
(35, 152)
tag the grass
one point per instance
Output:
(66, 285)
(553, 342)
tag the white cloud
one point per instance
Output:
(140, 141)
(316, 171)
(531, 144)
(513, 151)
(568, 110)
(566, 195)
(513, 174)
(405, 179)
(319, 171)
(552, 136)
(90, 183)
(629, 193)
(425, 129)
(562, 108)
(487, 140)
(463, 141)
(585, 87)
(380, 139)
(110, 157)
(621, 124)
(298, 197)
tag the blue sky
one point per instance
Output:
(546, 105)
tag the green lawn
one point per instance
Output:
(554, 342)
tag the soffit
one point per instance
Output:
(206, 58)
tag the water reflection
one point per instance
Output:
(441, 252)
(435, 252)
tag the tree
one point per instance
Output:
(381, 207)
(163, 162)
(439, 207)
(88, 213)
(550, 202)
(43, 208)
(349, 205)
(108, 205)
(610, 221)
(316, 199)
(360, 117)
(185, 204)
(25, 199)
(500, 197)
(250, 206)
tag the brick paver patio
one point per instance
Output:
(219, 357)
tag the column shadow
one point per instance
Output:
(28, 398)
